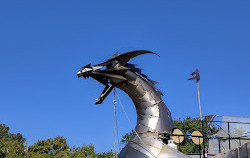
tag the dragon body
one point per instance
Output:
(153, 116)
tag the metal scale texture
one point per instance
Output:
(153, 116)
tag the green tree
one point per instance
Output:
(108, 154)
(126, 137)
(56, 147)
(3, 149)
(11, 145)
(4, 131)
(86, 151)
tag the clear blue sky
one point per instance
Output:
(44, 43)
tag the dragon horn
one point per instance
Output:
(124, 58)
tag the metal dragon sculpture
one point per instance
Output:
(153, 116)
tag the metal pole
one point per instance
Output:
(200, 147)
(114, 102)
(202, 125)
(229, 139)
(219, 145)
(198, 89)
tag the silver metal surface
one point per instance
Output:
(153, 116)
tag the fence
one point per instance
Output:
(219, 134)
(233, 132)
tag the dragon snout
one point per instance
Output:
(83, 74)
(79, 74)
(87, 71)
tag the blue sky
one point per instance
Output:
(44, 43)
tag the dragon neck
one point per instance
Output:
(152, 113)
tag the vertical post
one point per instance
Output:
(196, 76)
(206, 131)
(219, 145)
(229, 139)
(114, 102)
(203, 151)
(200, 146)
(198, 89)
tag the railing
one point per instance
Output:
(217, 137)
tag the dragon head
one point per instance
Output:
(87, 70)
(111, 72)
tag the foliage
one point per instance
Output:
(86, 151)
(188, 126)
(109, 154)
(4, 131)
(3, 149)
(126, 137)
(11, 145)
(49, 147)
